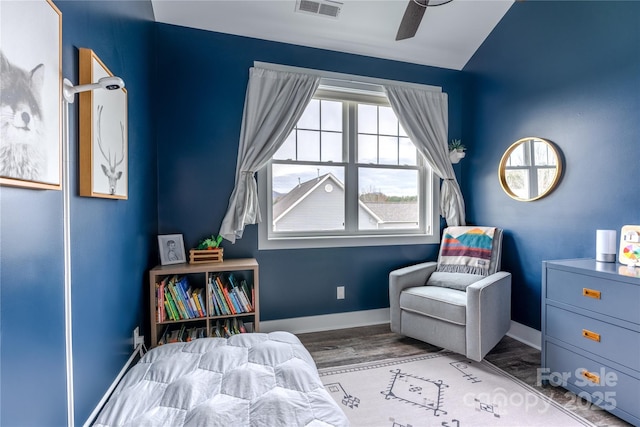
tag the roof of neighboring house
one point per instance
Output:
(385, 212)
(395, 211)
(289, 200)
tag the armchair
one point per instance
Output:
(462, 302)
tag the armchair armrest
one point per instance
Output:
(488, 313)
(402, 278)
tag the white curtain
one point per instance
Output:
(424, 116)
(273, 104)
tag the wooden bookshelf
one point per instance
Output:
(198, 276)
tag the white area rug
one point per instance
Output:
(442, 389)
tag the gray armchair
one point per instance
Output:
(459, 308)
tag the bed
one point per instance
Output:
(253, 379)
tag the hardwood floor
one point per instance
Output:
(369, 343)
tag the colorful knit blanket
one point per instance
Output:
(466, 250)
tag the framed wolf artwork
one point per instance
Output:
(104, 147)
(30, 95)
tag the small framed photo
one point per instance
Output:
(171, 248)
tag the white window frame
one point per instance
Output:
(354, 87)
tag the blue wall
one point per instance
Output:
(568, 72)
(576, 81)
(198, 131)
(110, 242)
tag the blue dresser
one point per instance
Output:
(591, 333)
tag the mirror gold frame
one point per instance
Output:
(530, 169)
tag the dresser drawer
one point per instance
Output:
(609, 297)
(615, 392)
(612, 342)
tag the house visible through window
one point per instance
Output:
(347, 175)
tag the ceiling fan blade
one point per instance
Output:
(411, 19)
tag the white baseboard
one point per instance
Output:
(327, 322)
(525, 334)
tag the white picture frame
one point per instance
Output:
(171, 247)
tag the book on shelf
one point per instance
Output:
(176, 300)
(182, 334)
(247, 291)
(228, 327)
(173, 305)
(196, 297)
(231, 296)
(225, 294)
(234, 300)
(214, 308)
(182, 288)
(218, 296)
(240, 294)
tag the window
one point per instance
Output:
(531, 169)
(347, 175)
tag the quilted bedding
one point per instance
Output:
(246, 380)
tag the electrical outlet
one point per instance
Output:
(137, 338)
(340, 292)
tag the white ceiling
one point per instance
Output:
(448, 35)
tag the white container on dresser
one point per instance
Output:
(591, 333)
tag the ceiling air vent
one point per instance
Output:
(326, 8)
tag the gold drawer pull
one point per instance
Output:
(591, 377)
(591, 335)
(591, 293)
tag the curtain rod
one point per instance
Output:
(329, 76)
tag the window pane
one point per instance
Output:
(517, 156)
(331, 115)
(367, 118)
(388, 121)
(308, 145)
(545, 178)
(388, 150)
(408, 153)
(311, 117)
(331, 147)
(367, 149)
(307, 198)
(518, 182)
(287, 150)
(402, 131)
(543, 154)
(388, 199)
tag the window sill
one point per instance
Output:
(343, 242)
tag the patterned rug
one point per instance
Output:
(442, 389)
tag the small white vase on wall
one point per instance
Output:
(456, 155)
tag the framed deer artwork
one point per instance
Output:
(103, 153)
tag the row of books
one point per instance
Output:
(177, 300)
(182, 334)
(227, 296)
(228, 327)
(222, 329)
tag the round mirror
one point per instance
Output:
(530, 169)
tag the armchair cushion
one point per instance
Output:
(440, 303)
(458, 281)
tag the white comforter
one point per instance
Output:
(246, 380)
